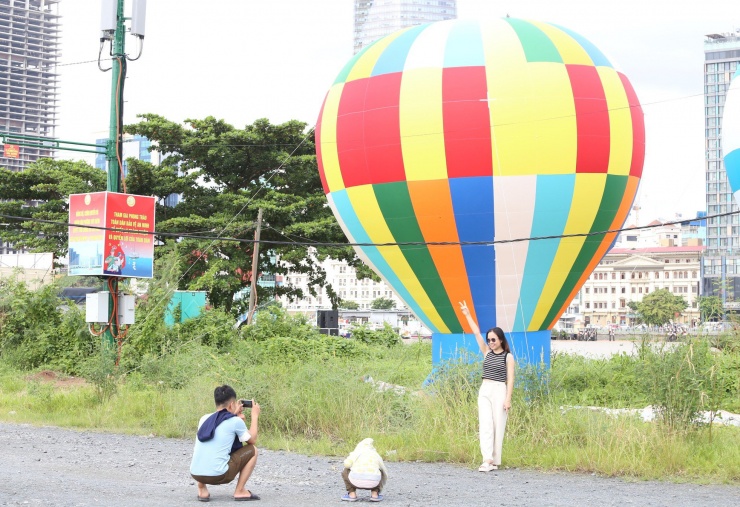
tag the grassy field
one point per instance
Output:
(323, 404)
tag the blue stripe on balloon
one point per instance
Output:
(357, 231)
(732, 167)
(464, 45)
(394, 56)
(472, 204)
(553, 197)
(599, 59)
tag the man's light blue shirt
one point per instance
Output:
(211, 458)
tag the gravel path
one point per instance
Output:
(54, 466)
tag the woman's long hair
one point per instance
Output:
(501, 336)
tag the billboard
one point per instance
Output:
(123, 248)
(11, 151)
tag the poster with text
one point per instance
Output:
(128, 253)
(124, 246)
(85, 243)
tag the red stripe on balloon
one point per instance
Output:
(383, 129)
(319, 159)
(467, 126)
(350, 134)
(592, 119)
(638, 128)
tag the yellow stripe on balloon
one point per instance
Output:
(522, 118)
(329, 154)
(422, 128)
(570, 50)
(620, 122)
(366, 62)
(373, 221)
(546, 119)
(588, 192)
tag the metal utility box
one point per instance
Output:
(188, 304)
(96, 307)
(126, 312)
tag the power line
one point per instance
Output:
(388, 244)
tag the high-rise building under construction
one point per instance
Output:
(377, 18)
(29, 49)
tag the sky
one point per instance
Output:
(241, 60)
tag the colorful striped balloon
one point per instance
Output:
(731, 135)
(482, 132)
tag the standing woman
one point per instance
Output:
(494, 398)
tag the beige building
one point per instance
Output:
(628, 274)
(35, 269)
(343, 278)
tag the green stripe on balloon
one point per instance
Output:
(342, 77)
(611, 201)
(398, 211)
(537, 46)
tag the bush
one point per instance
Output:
(385, 337)
(681, 381)
(37, 328)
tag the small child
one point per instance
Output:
(364, 469)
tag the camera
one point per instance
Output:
(246, 403)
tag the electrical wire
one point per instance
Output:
(387, 244)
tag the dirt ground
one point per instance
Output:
(53, 466)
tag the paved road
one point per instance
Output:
(53, 466)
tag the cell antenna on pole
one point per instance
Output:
(108, 19)
(138, 18)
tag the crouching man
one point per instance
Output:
(219, 455)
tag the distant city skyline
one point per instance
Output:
(241, 61)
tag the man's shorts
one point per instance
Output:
(238, 459)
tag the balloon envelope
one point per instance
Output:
(731, 135)
(481, 135)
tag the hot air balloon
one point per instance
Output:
(455, 142)
(731, 135)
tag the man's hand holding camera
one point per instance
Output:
(252, 405)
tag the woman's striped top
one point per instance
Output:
(494, 366)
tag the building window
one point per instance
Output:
(621, 277)
(614, 276)
(614, 290)
(633, 290)
(587, 290)
(623, 290)
(588, 305)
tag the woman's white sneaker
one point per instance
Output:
(487, 467)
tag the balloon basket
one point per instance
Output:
(529, 348)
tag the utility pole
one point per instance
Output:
(114, 151)
(255, 261)
(113, 29)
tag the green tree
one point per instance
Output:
(711, 307)
(659, 307)
(382, 304)
(225, 175)
(347, 304)
(40, 192)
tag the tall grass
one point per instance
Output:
(325, 405)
